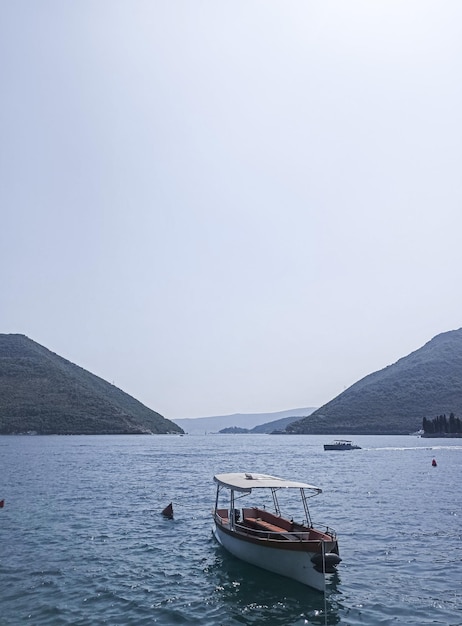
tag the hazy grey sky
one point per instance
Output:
(225, 207)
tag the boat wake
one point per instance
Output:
(402, 448)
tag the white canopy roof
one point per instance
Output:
(247, 481)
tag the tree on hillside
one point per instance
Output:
(442, 425)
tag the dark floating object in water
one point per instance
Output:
(2, 504)
(168, 511)
(434, 463)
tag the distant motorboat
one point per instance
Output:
(267, 539)
(341, 444)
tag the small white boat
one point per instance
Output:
(269, 540)
(341, 444)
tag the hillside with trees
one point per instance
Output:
(40, 392)
(395, 400)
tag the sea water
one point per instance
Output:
(83, 541)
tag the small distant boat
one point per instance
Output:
(341, 444)
(268, 540)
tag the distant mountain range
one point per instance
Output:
(42, 393)
(268, 421)
(280, 425)
(275, 427)
(426, 383)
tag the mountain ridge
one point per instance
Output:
(43, 393)
(394, 400)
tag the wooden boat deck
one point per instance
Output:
(262, 523)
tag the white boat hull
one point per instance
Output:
(296, 565)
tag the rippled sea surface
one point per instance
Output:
(82, 540)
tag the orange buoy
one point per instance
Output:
(168, 511)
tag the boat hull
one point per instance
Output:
(294, 564)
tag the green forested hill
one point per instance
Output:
(44, 393)
(426, 383)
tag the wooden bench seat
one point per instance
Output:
(262, 525)
(258, 525)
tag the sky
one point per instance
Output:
(231, 207)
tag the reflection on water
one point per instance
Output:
(254, 596)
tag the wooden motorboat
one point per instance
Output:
(268, 540)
